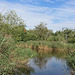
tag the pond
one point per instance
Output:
(46, 65)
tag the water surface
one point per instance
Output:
(50, 65)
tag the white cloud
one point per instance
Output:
(59, 26)
(50, 1)
(29, 13)
(36, 1)
(72, 2)
(33, 15)
(59, 0)
(30, 1)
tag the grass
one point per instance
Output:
(12, 55)
(71, 60)
(21, 53)
(6, 46)
(55, 45)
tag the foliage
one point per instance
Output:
(23, 53)
(6, 43)
(53, 44)
(71, 40)
(18, 33)
(6, 46)
(41, 30)
(71, 59)
(12, 19)
(11, 24)
(9, 53)
(29, 36)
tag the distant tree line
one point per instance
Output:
(11, 24)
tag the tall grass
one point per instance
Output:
(12, 54)
(54, 45)
(6, 46)
(71, 59)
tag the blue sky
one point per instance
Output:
(56, 13)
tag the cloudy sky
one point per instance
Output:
(56, 13)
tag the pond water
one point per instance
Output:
(51, 65)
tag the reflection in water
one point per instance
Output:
(50, 66)
(40, 62)
(46, 65)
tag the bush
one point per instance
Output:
(71, 40)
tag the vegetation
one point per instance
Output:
(15, 42)
(10, 23)
(50, 46)
(12, 55)
(71, 59)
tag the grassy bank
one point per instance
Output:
(50, 46)
(11, 55)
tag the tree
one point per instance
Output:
(29, 36)
(66, 33)
(12, 19)
(4, 27)
(10, 23)
(49, 33)
(9, 20)
(18, 33)
(41, 30)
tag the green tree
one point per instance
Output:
(41, 30)
(12, 19)
(66, 33)
(30, 36)
(18, 33)
(9, 20)
(10, 23)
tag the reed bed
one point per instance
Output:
(46, 45)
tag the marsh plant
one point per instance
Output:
(54, 45)
(11, 55)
